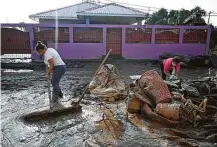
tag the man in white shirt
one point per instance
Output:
(56, 66)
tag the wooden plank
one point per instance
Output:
(46, 113)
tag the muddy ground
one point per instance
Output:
(26, 90)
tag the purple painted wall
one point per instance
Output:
(152, 51)
(130, 51)
(80, 50)
(149, 51)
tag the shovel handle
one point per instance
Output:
(103, 62)
(49, 92)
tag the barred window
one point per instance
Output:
(87, 35)
(49, 34)
(166, 36)
(195, 36)
(138, 35)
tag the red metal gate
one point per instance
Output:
(15, 41)
(114, 40)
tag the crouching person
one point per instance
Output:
(56, 66)
(170, 66)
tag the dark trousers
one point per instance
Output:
(58, 72)
(164, 76)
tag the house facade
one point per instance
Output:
(91, 13)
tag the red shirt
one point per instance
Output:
(167, 63)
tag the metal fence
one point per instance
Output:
(15, 44)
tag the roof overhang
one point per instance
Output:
(108, 15)
(36, 18)
(112, 19)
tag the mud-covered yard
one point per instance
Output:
(26, 90)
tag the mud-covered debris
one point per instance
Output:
(212, 138)
(108, 84)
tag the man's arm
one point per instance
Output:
(51, 67)
(166, 67)
(177, 69)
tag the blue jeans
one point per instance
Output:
(58, 72)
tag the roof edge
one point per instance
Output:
(34, 15)
(51, 17)
(104, 14)
(100, 6)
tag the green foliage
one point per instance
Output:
(176, 17)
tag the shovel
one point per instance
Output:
(49, 93)
(76, 104)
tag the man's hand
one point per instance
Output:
(51, 67)
(173, 77)
(168, 77)
(48, 76)
(167, 74)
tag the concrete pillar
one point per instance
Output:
(71, 39)
(104, 39)
(31, 39)
(153, 36)
(208, 39)
(181, 34)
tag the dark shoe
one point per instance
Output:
(60, 94)
(54, 97)
(55, 106)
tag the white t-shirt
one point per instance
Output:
(52, 53)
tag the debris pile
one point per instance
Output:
(167, 104)
(172, 103)
(108, 85)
